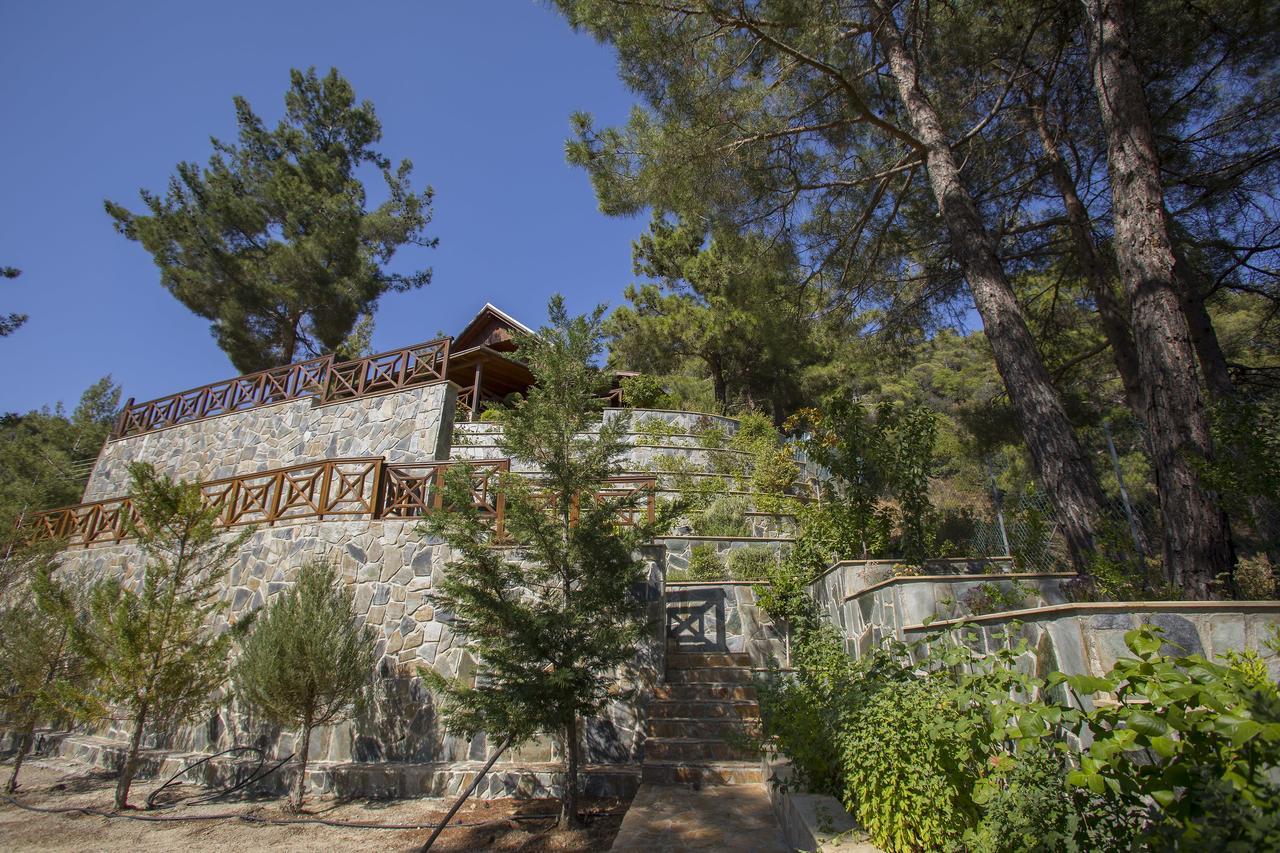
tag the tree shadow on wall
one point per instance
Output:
(400, 723)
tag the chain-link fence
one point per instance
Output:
(1024, 525)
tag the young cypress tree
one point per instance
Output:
(37, 660)
(154, 657)
(307, 662)
(552, 618)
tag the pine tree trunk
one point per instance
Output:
(719, 384)
(569, 803)
(1213, 363)
(24, 746)
(1059, 459)
(1097, 274)
(300, 783)
(1197, 544)
(131, 761)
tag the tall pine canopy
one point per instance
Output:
(554, 616)
(273, 240)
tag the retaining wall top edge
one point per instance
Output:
(891, 560)
(965, 578)
(1086, 608)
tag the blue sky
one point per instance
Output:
(101, 99)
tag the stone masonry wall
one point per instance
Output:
(392, 570)
(1088, 638)
(413, 425)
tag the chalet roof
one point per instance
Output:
(492, 328)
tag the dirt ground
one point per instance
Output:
(242, 823)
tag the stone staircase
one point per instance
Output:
(698, 719)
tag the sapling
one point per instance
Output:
(307, 662)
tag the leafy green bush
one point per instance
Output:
(992, 597)
(941, 747)
(1256, 578)
(751, 563)
(705, 564)
(755, 430)
(1030, 807)
(725, 515)
(713, 437)
(801, 710)
(901, 753)
(645, 392)
(654, 430)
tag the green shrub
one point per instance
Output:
(992, 597)
(645, 392)
(751, 563)
(1256, 578)
(491, 415)
(712, 438)
(801, 710)
(705, 564)
(773, 474)
(755, 430)
(725, 515)
(900, 752)
(1030, 807)
(654, 430)
(941, 747)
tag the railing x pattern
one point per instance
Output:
(322, 379)
(333, 488)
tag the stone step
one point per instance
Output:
(716, 729)
(701, 773)
(700, 660)
(710, 675)
(704, 692)
(695, 750)
(744, 709)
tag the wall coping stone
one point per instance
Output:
(891, 560)
(688, 584)
(956, 579)
(682, 537)
(1084, 608)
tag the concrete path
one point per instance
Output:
(673, 818)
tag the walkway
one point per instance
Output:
(673, 818)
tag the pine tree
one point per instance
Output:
(10, 323)
(552, 620)
(307, 661)
(46, 455)
(155, 656)
(37, 659)
(272, 241)
(732, 305)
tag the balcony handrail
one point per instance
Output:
(324, 379)
(350, 487)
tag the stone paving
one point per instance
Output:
(671, 818)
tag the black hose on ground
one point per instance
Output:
(256, 775)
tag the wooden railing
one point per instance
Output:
(322, 379)
(332, 488)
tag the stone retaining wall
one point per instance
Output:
(884, 609)
(833, 587)
(392, 570)
(1087, 638)
(413, 425)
